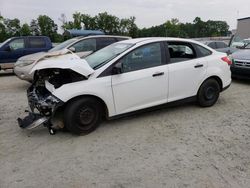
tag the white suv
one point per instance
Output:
(124, 77)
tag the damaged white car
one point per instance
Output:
(76, 94)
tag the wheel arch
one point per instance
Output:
(217, 78)
(101, 101)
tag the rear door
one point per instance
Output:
(186, 70)
(144, 79)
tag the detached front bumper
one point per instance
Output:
(32, 120)
(43, 108)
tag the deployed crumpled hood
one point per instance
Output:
(67, 61)
(242, 54)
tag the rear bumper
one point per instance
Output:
(4, 66)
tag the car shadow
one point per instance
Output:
(7, 73)
(147, 113)
(241, 81)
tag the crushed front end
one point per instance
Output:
(49, 75)
(42, 103)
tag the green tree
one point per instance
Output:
(25, 30)
(12, 27)
(47, 26)
(3, 34)
(172, 28)
(77, 20)
(34, 27)
(89, 22)
(107, 23)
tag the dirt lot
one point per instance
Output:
(183, 146)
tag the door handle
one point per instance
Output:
(158, 74)
(198, 65)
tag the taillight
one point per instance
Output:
(227, 60)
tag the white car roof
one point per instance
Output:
(152, 39)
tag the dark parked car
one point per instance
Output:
(16, 47)
(241, 63)
(216, 44)
(221, 46)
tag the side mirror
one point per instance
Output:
(117, 69)
(72, 49)
(7, 48)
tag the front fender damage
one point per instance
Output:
(45, 108)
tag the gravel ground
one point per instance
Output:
(182, 146)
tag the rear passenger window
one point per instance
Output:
(103, 42)
(37, 43)
(180, 51)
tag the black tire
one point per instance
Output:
(83, 116)
(208, 93)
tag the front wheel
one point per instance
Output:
(82, 116)
(208, 93)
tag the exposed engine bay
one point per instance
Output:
(43, 104)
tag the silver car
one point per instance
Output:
(82, 46)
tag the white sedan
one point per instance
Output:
(122, 78)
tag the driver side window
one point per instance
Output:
(16, 44)
(143, 57)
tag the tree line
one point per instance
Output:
(110, 24)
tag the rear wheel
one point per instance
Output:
(83, 116)
(209, 93)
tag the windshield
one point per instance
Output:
(237, 42)
(103, 56)
(63, 45)
(5, 42)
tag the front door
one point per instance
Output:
(14, 50)
(144, 79)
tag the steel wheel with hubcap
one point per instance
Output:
(82, 116)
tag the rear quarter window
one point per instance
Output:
(201, 51)
(37, 43)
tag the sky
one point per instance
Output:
(147, 12)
